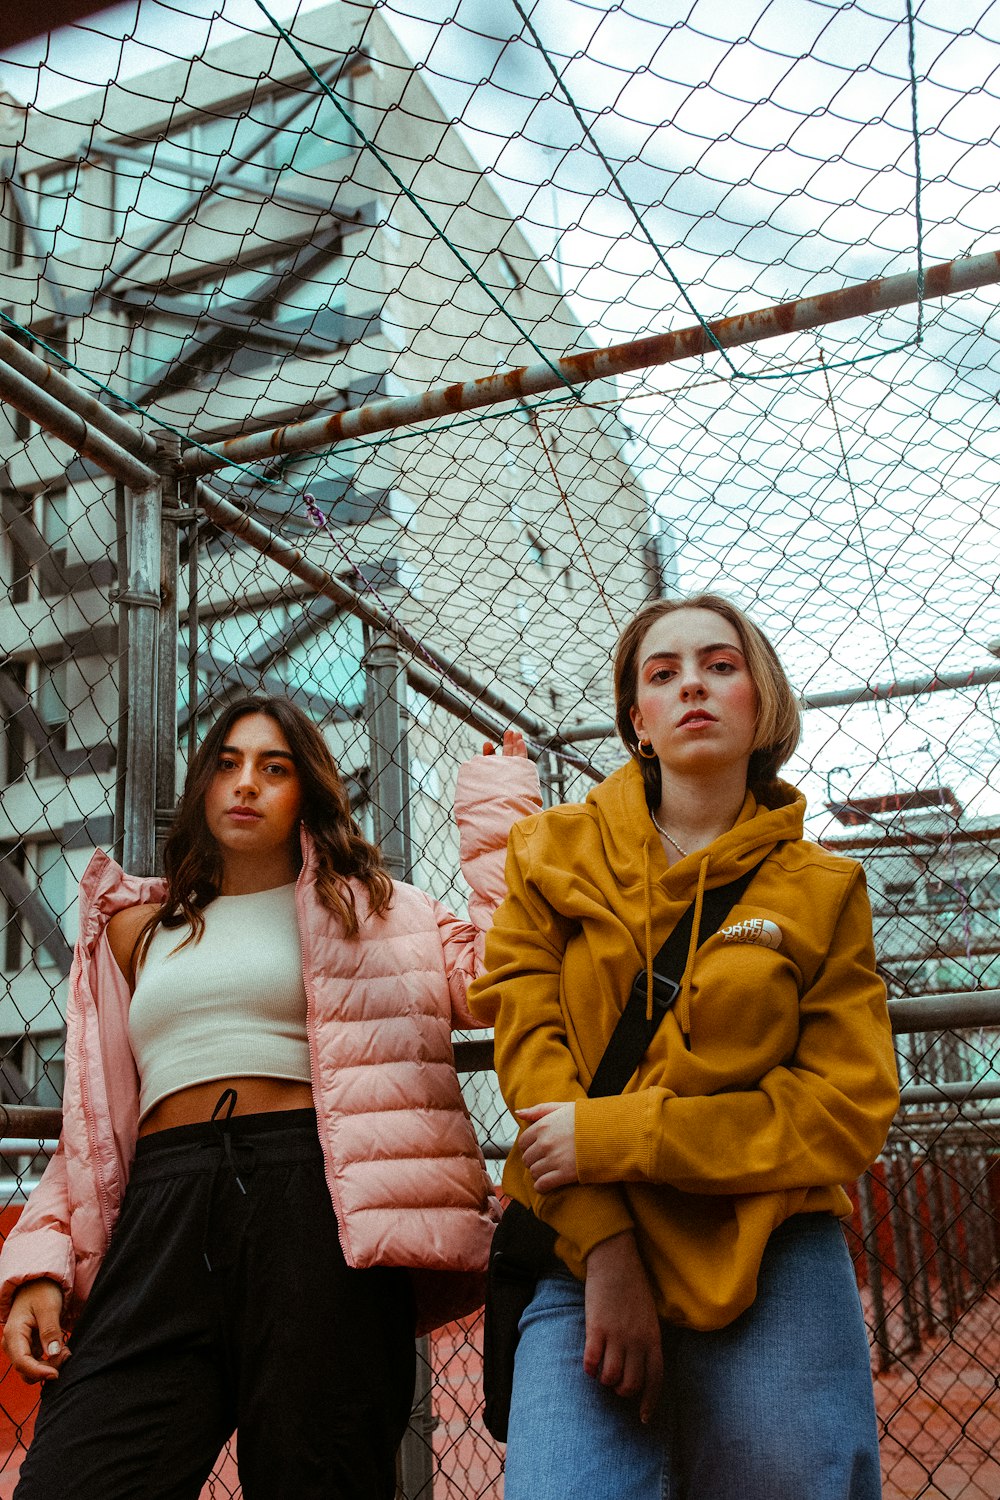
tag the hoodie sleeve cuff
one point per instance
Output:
(613, 1137)
(581, 1216)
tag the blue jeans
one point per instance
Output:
(777, 1406)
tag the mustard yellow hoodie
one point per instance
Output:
(771, 1083)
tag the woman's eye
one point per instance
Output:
(723, 666)
(662, 674)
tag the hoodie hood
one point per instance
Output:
(635, 855)
(629, 838)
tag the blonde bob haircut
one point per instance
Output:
(778, 720)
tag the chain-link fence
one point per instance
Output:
(391, 357)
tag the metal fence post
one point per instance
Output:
(385, 702)
(141, 598)
(167, 465)
(385, 690)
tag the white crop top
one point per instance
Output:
(231, 1005)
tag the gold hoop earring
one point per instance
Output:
(646, 750)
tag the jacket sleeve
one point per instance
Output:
(520, 994)
(40, 1243)
(493, 792)
(819, 1119)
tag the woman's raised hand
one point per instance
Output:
(513, 744)
(33, 1336)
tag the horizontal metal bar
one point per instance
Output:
(956, 1011)
(868, 692)
(575, 370)
(138, 443)
(71, 428)
(29, 1122)
(906, 687)
(269, 544)
(949, 1093)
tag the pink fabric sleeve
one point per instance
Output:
(493, 793)
(40, 1243)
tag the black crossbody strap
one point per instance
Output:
(634, 1032)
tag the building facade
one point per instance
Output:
(227, 248)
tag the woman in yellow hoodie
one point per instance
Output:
(702, 1338)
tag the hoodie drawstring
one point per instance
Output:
(649, 931)
(684, 999)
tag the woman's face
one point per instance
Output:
(695, 701)
(254, 800)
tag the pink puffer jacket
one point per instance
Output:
(404, 1169)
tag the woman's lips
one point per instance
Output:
(243, 815)
(699, 716)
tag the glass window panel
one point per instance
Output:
(53, 694)
(330, 663)
(326, 290)
(55, 518)
(317, 135)
(156, 342)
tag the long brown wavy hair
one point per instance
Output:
(778, 720)
(192, 863)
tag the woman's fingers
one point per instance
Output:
(33, 1336)
(512, 744)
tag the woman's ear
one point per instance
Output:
(636, 718)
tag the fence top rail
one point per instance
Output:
(911, 1015)
(575, 370)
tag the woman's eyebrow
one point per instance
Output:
(702, 651)
(261, 754)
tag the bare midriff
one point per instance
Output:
(254, 1096)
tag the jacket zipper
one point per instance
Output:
(314, 1084)
(103, 1194)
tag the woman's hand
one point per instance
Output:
(624, 1348)
(33, 1337)
(548, 1146)
(513, 744)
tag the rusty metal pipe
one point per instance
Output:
(262, 540)
(72, 429)
(598, 364)
(140, 444)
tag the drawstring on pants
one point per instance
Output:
(227, 1101)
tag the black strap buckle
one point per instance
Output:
(665, 991)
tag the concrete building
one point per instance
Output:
(216, 243)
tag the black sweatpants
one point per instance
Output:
(224, 1302)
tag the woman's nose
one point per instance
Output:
(692, 685)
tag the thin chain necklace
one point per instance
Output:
(668, 836)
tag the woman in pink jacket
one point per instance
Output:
(267, 1181)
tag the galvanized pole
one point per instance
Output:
(167, 465)
(385, 694)
(141, 598)
(385, 687)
